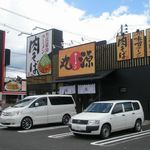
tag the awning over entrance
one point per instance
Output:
(99, 75)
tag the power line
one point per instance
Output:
(20, 15)
(44, 23)
(114, 36)
(15, 29)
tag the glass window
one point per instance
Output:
(99, 107)
(136, 106)
(26, 101)
(128, 106)
(41, 102)
(117, 108)
(61, 100)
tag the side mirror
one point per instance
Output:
(36, 104)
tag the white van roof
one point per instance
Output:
(50, 95)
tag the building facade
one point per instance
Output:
(99, 71)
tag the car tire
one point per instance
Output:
(105, 131)
(26, 123)
(138, 126)
(76, 134)
(65, 119)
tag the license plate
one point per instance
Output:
(79, 128)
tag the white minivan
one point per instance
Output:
(39, 109)
(104, 117)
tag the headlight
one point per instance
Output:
(93, 122)
(15, 113)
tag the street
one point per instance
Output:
(58, 137)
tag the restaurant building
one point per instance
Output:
(92, 71)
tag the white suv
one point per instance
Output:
(104, 117)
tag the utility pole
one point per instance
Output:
(121, 32)
(123, 29)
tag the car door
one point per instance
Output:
(129, 114)
(118, 117)
(39, 110)
(55, 111)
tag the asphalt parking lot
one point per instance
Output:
(58, 137)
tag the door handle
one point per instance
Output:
(123, 114)
(133, 113)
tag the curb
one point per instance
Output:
(146, 122)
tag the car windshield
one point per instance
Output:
(24, 102)
(99, 107)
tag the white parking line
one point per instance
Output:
(1, 127)
(56, 136)
(42, 129)
(121, 138)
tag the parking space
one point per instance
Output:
(42, 129)
(122, 139)
(59, 137)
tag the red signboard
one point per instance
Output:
(2, 63)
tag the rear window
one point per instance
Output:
(136, 106)
(61, 100)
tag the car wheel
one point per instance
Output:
(76, 134)
(26, 123)
(105, 131)
(138, 126)
(65, 119)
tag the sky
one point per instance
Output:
(81, 21)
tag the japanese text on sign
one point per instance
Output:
(138, 44)
(123, 47)
(148, 41)
(77, 60)
(38, 54)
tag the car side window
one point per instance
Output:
(128, 106)
(136, 106)
(40, 102)
(117, 108)
(61, 100)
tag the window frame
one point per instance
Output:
(117, 112)
(33, 105)
(126, 109)
(60, 100)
